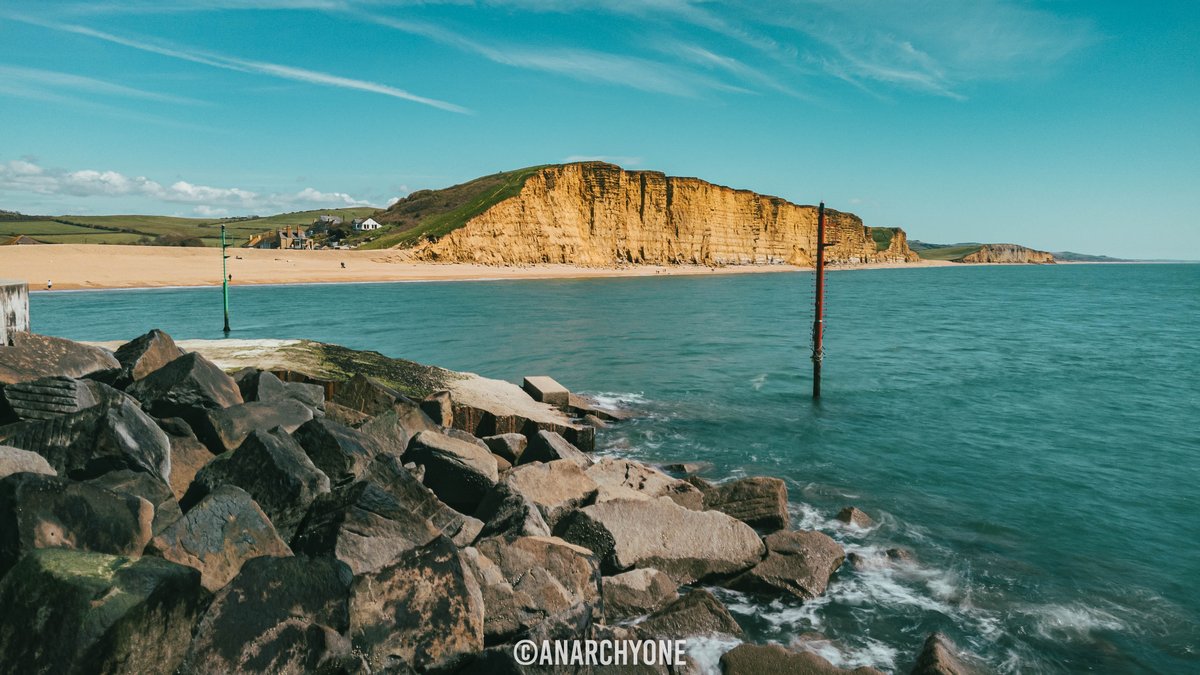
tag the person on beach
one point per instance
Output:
(49, 285)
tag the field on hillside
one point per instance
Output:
(952, 253)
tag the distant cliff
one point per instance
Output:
(1008, 253)
(593, 213)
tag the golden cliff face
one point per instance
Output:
(598, 214)
(1009, 253)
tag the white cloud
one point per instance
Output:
(210, 212)
(26, 177)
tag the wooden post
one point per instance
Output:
(818, 352)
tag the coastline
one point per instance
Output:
(105, 266)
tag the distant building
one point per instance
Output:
(365, 224)
(292, 238)
(19, 240)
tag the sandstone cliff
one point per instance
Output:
(593, 213)
(1008, 253)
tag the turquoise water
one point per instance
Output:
(1031, 434)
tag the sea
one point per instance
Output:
(1029, 434)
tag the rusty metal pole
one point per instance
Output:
(818, 352)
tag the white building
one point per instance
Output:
(364, 225)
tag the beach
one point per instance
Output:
(92, 266)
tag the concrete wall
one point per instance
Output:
(14, 309)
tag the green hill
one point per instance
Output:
(948, 252)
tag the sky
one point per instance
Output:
(1065, 125)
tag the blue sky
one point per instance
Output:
(1061, 125)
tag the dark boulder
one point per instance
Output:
(140, 484)
(440, 408)
(695, 614)
(368, 396)
(504, 511)
(272, 467)
(636, 593)
(395, 428)
(272, 618)
(508, 446)
(341, 452)
(32, 357)
(218, 535)
(387, 472)
(343, 415)
(760, 502)
(51, 397)
(145, 354)
(362, 525)
(225, 429)
(799, 563)
(15, 460)
(186, 387)
(939, 656)
(751, 659)
(458, 472)
(547, 446)
(424, 612)
(75, 612)
(188, 455)
(852, 515)
(96, 440)
(264, 387)
(38, 511)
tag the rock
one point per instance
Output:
(225, 429)
(508, 446)
(32, 357)
(900, 555)
(503, 466)
(751, 659)
(459, 473)
(688, 468)
(368, 396)
(145, 354)
(695, 614)
(153, 490)
(939, 656)
(341, 452)
(343, 415)
(504, 511)
(96, 440)
(274, 470)
(362, 525)
(547, 446)
(799, 563)
(760, 502)
(51, 397)
(386, 472)
(546, 390)
(15, 460)
(636, 593)
(263, 386)
(187, 387)
(698, 483)
(78, 612)
(687, 545)
(593, 421)
(463, 436)
(440, 408)
(310, 394)
(265, 619)
(583, 406)
(39, 511)
(394, 429)
(853, 516)
(626, 479)
(218, 535)
(554, 487)
(188, 455)
(424, 612)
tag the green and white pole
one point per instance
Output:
(225, 277)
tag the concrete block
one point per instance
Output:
(545, 389)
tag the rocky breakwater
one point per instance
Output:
(159, 514)
(1009, 253)
(598, 214)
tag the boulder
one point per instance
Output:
(145, 354)
(96, 440)
(636, 593)
(760, 502)
(341, 452)
(418, 500)
(153, 490)
(595, 422)
(554, 487)
(186, 387)
(698, 613)
(79, 612)
(343, 415)
(852, 515)
(225, 429)
(39, 511)
(394, 428)
(547, 446)
(752, 659)
(799, 563)
(275, 616)
(687, 468)
(687, 545)
(32, 357)
(264, 387)
(464, 436)
(15, 460)
(440, 408)
(627, 479)
(274, 470)
(424, 612)
(51, 397)
(508, 446)
(218, 535)
(459, 473)
(362, 525)
(546, 390)
(581, 406)
(368, 396)
(939, 656)
(504, 511)
(188, 455)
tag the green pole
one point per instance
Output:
(225, 277)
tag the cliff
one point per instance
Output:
(1008, 253)
(596, 214)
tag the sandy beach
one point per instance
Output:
(94, 266)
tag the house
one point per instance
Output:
(292, 238)
(19, 240)
(365, 224)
